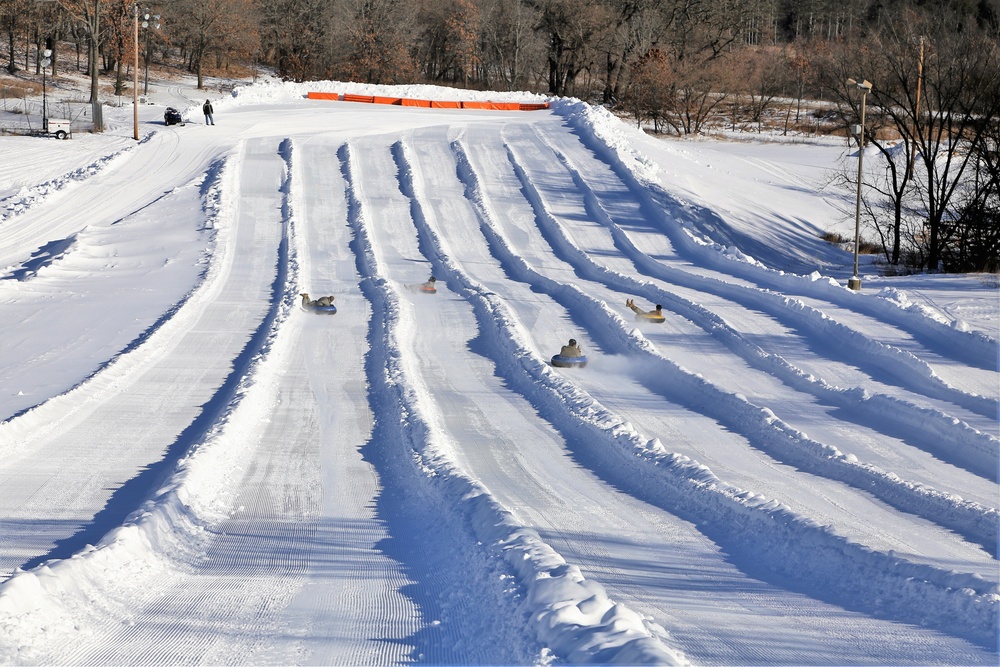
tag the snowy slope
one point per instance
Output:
(197, 469)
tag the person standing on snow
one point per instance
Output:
(207, 108)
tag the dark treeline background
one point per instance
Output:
(679, 66)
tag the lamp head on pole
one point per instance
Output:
(864, 85)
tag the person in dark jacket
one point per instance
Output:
(209, 111)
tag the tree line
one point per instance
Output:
(679, 66)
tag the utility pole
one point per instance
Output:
(135, 73)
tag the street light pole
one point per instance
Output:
(865, 86)
(145, 26)
(46, 61)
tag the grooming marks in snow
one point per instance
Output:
(194, 470)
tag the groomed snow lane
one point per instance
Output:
(81, 466)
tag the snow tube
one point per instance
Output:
(331, 309)
(561, 361)
(658, 319)
(428, 289)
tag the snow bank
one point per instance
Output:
(270, 91)
(29, 197)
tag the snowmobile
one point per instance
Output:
(172, 117)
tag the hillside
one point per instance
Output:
(197, 469)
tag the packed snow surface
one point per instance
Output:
(195, 469)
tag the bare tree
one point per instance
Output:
(119, 37)
(700, 89)
(651, 89)
(225, 28)
(568, 27)
(765, 74)
(449, 46)
(978, 225)
(887, 188)
(11, 12)
(958, 79)
(377, 42)
(463, 38)
(635, 27)
(294, 37)
(510, 47)
(88, 13)
(933, 106)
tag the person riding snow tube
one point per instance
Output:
(647, 316)
(570, 356)
(430, 286)
(324, 304)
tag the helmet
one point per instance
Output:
(572, 341)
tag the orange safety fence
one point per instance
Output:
(433, 104)
(493, 106)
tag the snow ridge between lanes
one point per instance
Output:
(29, 197)
(966, 446)
(759, 424)
(794, 546)
(916, 374)
(567, 613)
(603, 133)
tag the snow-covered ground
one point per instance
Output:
(195, 469)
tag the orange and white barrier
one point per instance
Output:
(430, 104)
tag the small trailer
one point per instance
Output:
(57, 127)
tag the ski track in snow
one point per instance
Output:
(403, 481)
